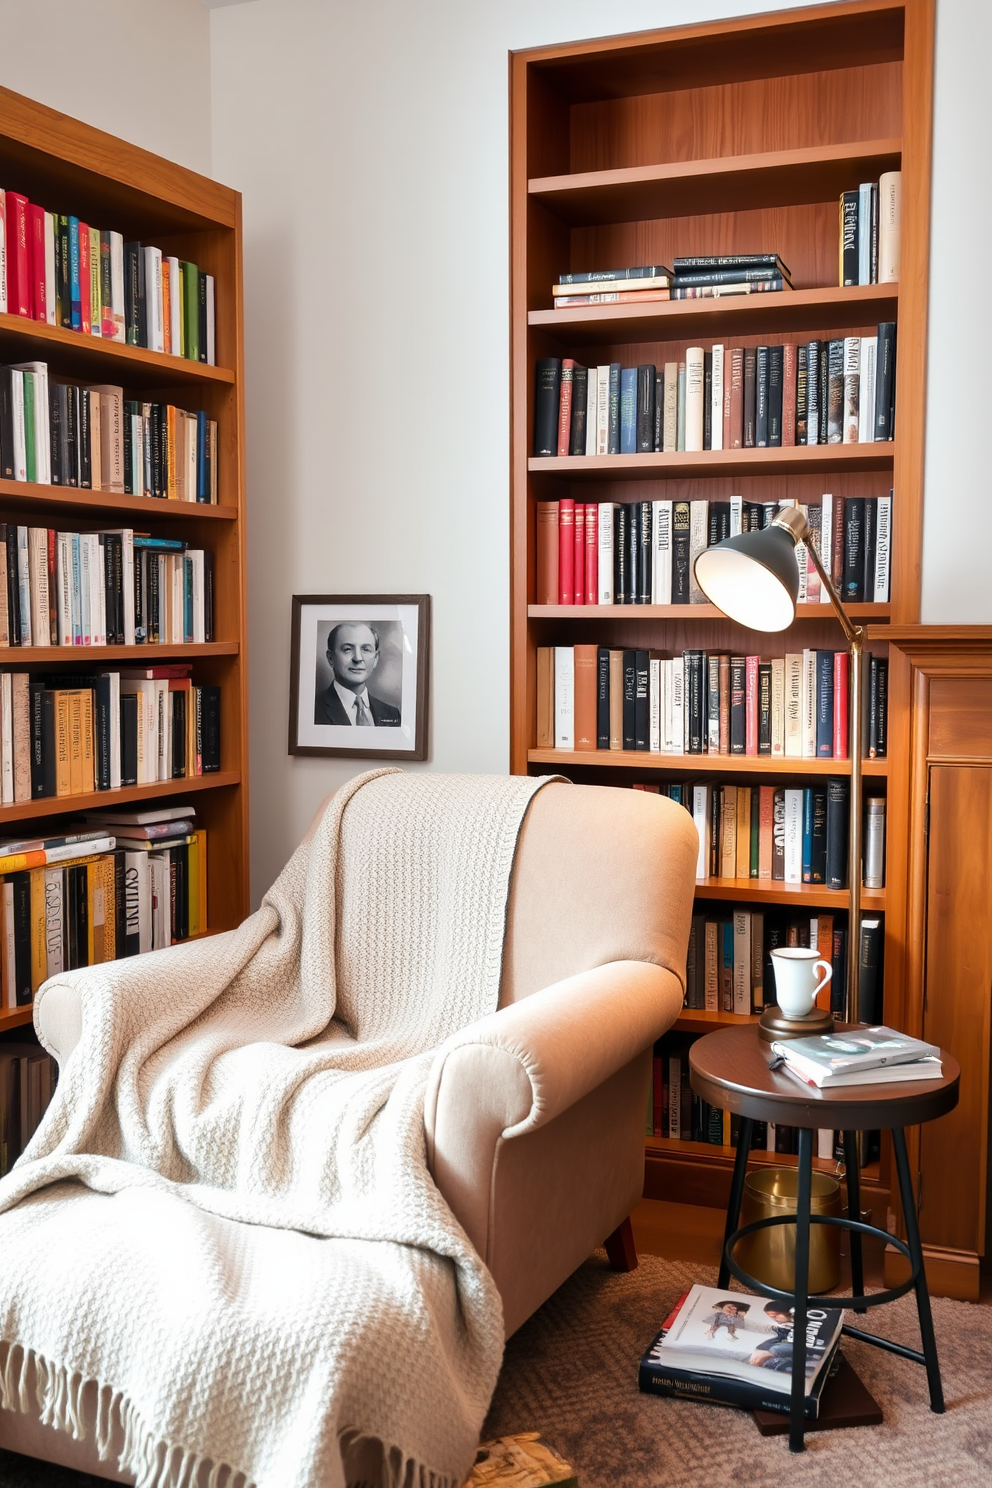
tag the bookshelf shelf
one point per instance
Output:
(16, 1017)
(745, 315)
(75, 502)
(698, 764)
(820, 459)
(675, 1147)
(97, 360)
(92, 657)
(728, 183)
(101, 800)
(690, 612)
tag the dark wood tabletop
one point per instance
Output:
(729, 1069)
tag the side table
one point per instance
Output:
(730, 1069)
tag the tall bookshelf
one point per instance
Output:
(736, 136)
(66, 166)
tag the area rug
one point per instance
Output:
(571, 1373)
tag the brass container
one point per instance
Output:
(770, 1255)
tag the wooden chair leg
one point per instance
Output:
(621, 1251)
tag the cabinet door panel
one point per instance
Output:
(958, 992)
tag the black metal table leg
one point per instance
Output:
(916, 1256)
(851, 1163)
(798, 1401)
(736, 1193)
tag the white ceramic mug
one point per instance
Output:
(796, 986)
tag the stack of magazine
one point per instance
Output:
(859, 1056)
(726, 1348)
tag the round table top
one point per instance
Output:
(729, 1069)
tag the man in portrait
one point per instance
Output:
(353, 655)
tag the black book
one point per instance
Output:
(824, 376)
(140, 601)
(77, 887)
(849, 203)
(761, 397)
(870, 971)
(700, 264)
(21, 886)
(547, 392)
(644, 550)
(681, 532)
(870, 545)
(750, 396)
(835, 392)
(659, 412)
(802, 390)
(613, 424)
(36, 691)
(63, 275)
(719, 522)
(209, 704)
(120, 904)
(179, 700)
(838, 807)
(878, 743)
(738, 706)
(885, 382)
(853, 588)
(764, 707)
(102, 724)
(70, 425)
(630, 700)
(84, 438)
(128, 442)
(621, 539)
(134, 297)
(776, 375)
(818, 835)
(813, 431)
(129, 738)
(824, 704)
(642, 700)
(56, 431)
(707, 400)
(580, 392)
(602, 697)
(695, 701)
(13, 588)
(6, 425)
(633, 555)
(179, 860)
(646, 379)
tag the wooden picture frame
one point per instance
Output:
(375, 684)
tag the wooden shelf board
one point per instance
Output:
(674, 1147)
(95, 656)
(99, 800)
(70, 498)
(749, 764)
(725, 318)
(793, 460)
(774, 891)
(697, 1020)
(98, 360)
(726, 183)
(693, 612)
(16, 1017)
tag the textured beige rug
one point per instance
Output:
(571, 1372)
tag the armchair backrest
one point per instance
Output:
(601, 874)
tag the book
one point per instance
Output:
(546, 399)
(525, 1460)
(831, 1059)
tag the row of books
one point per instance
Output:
(791, 707)
(111, 588)
(67, 735)
(676, 1113)
(28, 1077)
(644, 552)
(59, 270)
(869, 231)
(64, 434)
(840, 391)
(710, 276)
(112, 888)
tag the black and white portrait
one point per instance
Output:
(359, 675)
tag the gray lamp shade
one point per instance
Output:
(753, 578)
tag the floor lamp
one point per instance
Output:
(754, 579)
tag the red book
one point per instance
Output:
(579, 558)
(566, 551)
(84, 278)
(751, 706)
(592, 552)
(841, 728)
(565, 405)
(546, 587)
(20, 300)
(736, 440)
(789, 393)
(36, 248)
(766, 821)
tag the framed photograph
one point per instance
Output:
(358, 679)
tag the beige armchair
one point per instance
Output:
(535, 1115)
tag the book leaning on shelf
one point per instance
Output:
(65, 272)
(91, 437)
(725, 1348)
(72, 734)
(102, 589)
(870, 231)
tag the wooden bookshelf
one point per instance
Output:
(66, 166)
(731, 136)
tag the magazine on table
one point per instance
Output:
(859, 1056)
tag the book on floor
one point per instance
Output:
(521, 1461)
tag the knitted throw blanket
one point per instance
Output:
(224, 1239)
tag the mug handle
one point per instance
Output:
(820, 985)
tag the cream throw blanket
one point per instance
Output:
(225, 1230)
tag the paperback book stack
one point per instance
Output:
(115, 588)
(863, 1056)
(164, 859)
(644, 285)
(56, 433)
(870, 231)
(64, 272)
(717, 276)
(28, 1077)
(724, 1348)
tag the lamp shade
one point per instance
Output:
(753, 577)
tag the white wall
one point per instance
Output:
(137, 68)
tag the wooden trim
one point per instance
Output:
(96, 359)
(61, 657)
(791, 460)
(521, 669)
(749, 764)
(950, 1273)
(101, 800)
(689, 612)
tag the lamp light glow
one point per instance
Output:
(752, 577)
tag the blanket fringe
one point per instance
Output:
(58, 1400)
